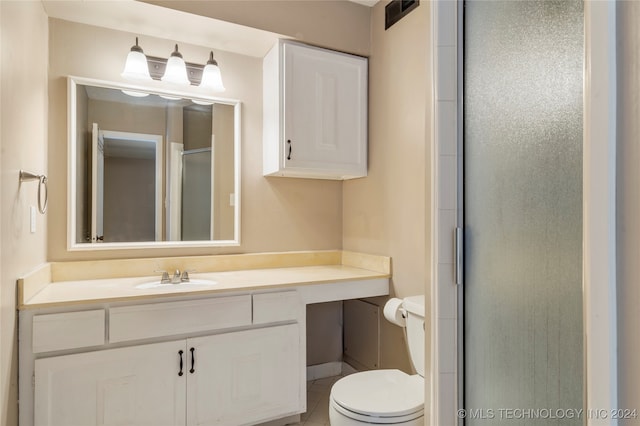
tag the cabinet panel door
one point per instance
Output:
(244, 377)
(138, 386)
(325, 109)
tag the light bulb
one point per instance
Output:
(176, 71)
(211, 76)
(136, 67)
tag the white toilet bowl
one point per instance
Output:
(385, 397)
(377, 397)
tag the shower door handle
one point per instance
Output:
(458, 243)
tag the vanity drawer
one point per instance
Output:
(274, 307)
(166, 319)
(69, 330)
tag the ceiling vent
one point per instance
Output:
(398, 9)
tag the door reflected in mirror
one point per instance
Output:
(152, 170)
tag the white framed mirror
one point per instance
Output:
(150, 167)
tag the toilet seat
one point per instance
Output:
(379, 396)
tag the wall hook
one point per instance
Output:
(42, 182)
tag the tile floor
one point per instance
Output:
(318, 402)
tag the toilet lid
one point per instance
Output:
(380, 393)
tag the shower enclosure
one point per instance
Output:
(523, 177)
(197, 197)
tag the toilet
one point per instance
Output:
(385, 397)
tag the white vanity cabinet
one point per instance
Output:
(244, 377)
(227, 379)
(137, 385)
(230, 360)
(314, 113)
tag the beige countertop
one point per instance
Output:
(40, 291)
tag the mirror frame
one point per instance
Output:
(72, 244)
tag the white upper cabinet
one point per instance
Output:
(314, 113)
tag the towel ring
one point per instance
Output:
(42, 182)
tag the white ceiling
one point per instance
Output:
(156, 21)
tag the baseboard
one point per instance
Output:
(320, 371)
(329, 369)
(348, 369)
(355, 365)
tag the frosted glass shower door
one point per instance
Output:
(523, 80)
(196, 195)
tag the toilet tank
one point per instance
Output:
(414, 306)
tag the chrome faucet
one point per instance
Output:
(177, 277)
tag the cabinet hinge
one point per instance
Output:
(33, 380)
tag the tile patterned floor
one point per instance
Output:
(318, 402)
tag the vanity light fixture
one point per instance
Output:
(136, 67)
(211, 77)
(173, 71)
(176, 70)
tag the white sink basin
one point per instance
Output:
(190, 283)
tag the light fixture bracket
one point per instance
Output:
(157, 67)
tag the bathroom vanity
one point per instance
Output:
(116, 351)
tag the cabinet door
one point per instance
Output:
(244, 377)
(325, 104)
(138, 385)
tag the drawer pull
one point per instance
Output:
(180, 373)
(289, 143)
(193, 361)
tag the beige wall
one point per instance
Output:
(223, 169)
(23, 143)
(122, 117)
(388, 213)
(335, 24)
(277, 214)
(628, 207)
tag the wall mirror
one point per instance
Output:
(151, 168)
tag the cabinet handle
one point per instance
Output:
(289, 143)
(193, 361)
(180, 372)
